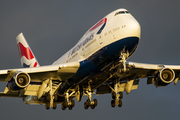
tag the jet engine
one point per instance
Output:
(164, 77)
(19, 81)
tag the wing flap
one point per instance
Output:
(105, 89)
(32, 90)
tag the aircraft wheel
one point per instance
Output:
(92, 106)
(72, 103)
(70, 107)
(88, 102)
(85, 106)
(47, 105)
(54, 106)
(55, 98)
(48, 97)
(63, 108)
(113, 103)
(95, 102)
(120, 103)
(65, 104)
(113, 94)
(121, 95)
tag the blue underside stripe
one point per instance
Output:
(100, 58)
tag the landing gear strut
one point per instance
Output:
(67, 102)
(116, 100)
(116, 96)
(123, 57)
(88, 102)
(51, 97)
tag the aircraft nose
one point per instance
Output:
(134, 28)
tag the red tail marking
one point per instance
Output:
(35, 64)
(23, 51)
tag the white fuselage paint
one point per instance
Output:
(117, 27)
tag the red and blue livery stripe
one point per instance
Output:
(103, 21)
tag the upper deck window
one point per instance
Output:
(121, 12)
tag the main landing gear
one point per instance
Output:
(51, 101)
(88, 102)
(116, 99)
(51, 97)
(68, 103)
(116, 96)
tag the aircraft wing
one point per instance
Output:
(55, 72)
(143, 70)
(157, 74)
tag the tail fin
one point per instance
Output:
(27, 57)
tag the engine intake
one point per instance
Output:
(19, 81)
(164, 77)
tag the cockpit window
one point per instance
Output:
(126, 11)
(121, 12)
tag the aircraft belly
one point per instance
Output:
(112, 51)
(99, 59)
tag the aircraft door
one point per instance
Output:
(100, 39)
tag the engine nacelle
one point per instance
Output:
(19, 81)
(164, 77)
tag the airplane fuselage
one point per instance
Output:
(112, 28)
(103, 44)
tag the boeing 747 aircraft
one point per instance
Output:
(95, 65)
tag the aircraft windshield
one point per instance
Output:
(121, 12)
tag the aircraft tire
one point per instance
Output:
(120, 103)
(55, 98)
(113, 94)
(121, 95)
(47, 105)
(70, 107)
(65, 104)
(113, 103)
(88, 102)
(85, 106)
(92, 107)
(95, 102)
(63, 108)
(54, 106)
(48, 97)
(72, 103)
